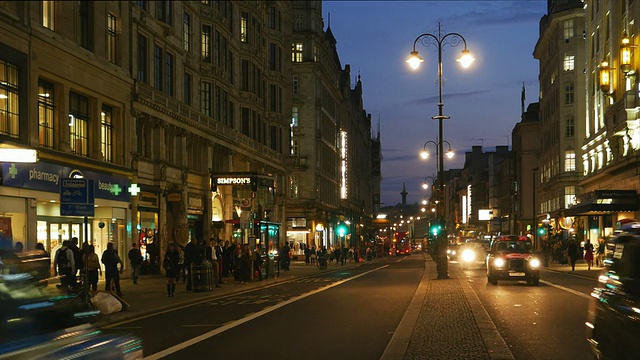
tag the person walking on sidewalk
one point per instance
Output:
(191, 255)
(135, 259)
(181, 267)
(600, 253)
(588, 254)
(93, 267)
(170, 266)
(257, 262)
(110, 259)
(212, 256)
(64, 264)
(220, 256)
(285, 256)
(573, 252)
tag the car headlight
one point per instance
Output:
(448, 251)
(453, 252)
(534, 263)
(498, 262)
(468, 255)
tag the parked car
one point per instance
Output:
(613, 325)
(511, 258)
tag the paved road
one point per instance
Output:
(341, 314)
(538, 322)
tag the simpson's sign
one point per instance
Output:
(233, 181)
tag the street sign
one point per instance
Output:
(245, 220)
(77, 197)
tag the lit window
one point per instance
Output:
(296, 52)
(49, 14)
(570, 160)
(106, 133)
(568, 29)
(206, 43)
(244, 20)
(45, 113)
(111, 38)
(294, 184)
(78, 124)
(9, 109)
(569, 62)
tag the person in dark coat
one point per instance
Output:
(573, 253)
(191, 255)
(110, 259)
(170, 266)
(284, 257)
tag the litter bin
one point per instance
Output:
(201, 276)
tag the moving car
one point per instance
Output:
(453, 252)
(472, 254)
(613, 324)
(511, 258)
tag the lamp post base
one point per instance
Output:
(442, 263)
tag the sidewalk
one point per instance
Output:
(581, 269)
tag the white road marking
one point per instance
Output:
(249, 317)
(574, 292)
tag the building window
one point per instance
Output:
(272, 56)
(9, 110)
(294, 87)
(296, 53)
(186, 32)
(294, 117)
(273, 18)
(294, 184)
(569, 160)
(298, 22)
(142, 59)
(244, 20)
(568, 29)
(206, 43)
(244, 125)
(85, 27)
(570, 127)
(218, 103)
(187, 89)
(569, 196)
(106, 133)
(245, 75)
(157, 68)
(168, 69)
(273, 137)
(164, 11)
(206, 98)
(569, 62)
(49, 15)
(78, 124)
(45, 113)
(568, 94)
(111, 38)
(142, 4)
(273, 97)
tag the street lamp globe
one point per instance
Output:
(414, 60)
(466, 58)
(424, 154)
(450, 154)
(425, 185)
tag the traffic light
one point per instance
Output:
(542, 231)
(435, 229)
(342, 229)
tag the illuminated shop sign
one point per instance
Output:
(233, 181)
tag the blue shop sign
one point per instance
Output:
(46, 177)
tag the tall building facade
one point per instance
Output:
(331, 142)
(561, 52)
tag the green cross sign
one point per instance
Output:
(115, 189)
(13, 171)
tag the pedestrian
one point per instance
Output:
(77, 258)
(307, 255)
(215, 266)
(257, 262)
(19, 247)
(313, 255)
(285, 256)
(220, 256)
(40, 246)
(111, 259)
(64, 265)
(181, 268)
(245, 264)
(600, 253)
(170, 266)
(573, 252)
(237, 265)
(135, 259)
(93, 267)
(588, 254)
(191, 255)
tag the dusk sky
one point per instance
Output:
(483, 101)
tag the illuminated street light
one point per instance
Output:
(439, 40)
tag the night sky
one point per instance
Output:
(483, 101)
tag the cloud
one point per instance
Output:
(500, 13)
(435, 99)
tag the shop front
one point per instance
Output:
(30, 207)
(147, 229)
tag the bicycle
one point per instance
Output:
(321, 261)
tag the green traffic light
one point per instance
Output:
(541, 231)
(342, 229)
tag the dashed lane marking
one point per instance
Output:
(574, 292)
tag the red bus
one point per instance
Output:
(401, 243)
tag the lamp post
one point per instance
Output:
(439, 40)
(425, 184)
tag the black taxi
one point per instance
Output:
(511, 258)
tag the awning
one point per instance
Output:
(602, 202)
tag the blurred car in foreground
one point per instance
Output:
(511, 258)
(81, 342)
(613, 325)
(453, 252)
(472, 254)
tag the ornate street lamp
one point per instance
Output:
(605, 77)
(425, 184)
(439, 40)
(625, 54)
(425, 153)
